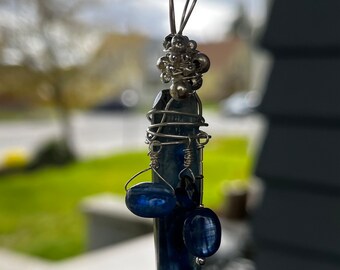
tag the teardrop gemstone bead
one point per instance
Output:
(150, 200)
(202, 232)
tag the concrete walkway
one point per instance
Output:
(135, 254)
(138, 253)
(14, 261)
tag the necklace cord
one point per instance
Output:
(172, 17)
(185, 16)
(184, 12)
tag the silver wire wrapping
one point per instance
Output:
(155, 148)
(188, 160)
(154, 154)
(188, 157)
(154, 131)
(182, 65)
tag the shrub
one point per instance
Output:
(54, 152)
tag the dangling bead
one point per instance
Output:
(202, 232)
(150, 200)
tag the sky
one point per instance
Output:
(210, 19)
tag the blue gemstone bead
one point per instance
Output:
(202, 232)
(150, 200)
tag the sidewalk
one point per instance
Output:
(130, 255)
(137, 253)
(14, 261)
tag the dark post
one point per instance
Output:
(298, 223)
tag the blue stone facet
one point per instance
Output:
(202, 232)
(150, 200)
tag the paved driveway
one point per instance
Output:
(100, 134)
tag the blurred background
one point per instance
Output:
(76, 80)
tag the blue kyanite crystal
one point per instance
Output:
(150, 200)
(202, 232)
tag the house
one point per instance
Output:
(229, 71)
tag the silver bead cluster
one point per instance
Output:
(183, 65)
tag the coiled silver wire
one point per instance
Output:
(155, 130)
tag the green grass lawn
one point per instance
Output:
(39, 211)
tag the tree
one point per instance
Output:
(48, 36)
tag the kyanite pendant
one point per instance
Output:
(202, 232)
(150, 200)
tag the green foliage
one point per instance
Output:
(225, 160)
(39, 210)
